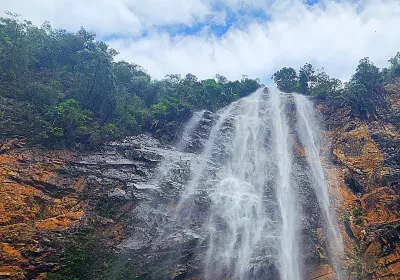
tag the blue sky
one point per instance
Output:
(241, 16)
(231, 37)
(232, 18)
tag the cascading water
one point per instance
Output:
(198, 170)
(288, 256)
(188, 130)
(170, 159)
(244, 185)
(309, 136)
(237, 217)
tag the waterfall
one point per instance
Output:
(188, 130)
(286, 199)
(170, 159)
(198, 168)
(244, 185)
(237, 215)
(309, 136)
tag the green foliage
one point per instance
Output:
(357, 215)
(315, 83)
(364, 93)
(120, 269)
(66, 89)
(159, 109)
(306, 76)
(71, 112)
(85, 258)
(286, 79)
(357, 264)
(89, 257)
(393, 71)
(325, 87)
(346, 217)
(213, 91)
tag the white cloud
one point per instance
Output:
(170, 12)
(334, 35)
(242, 4)
(109, 16)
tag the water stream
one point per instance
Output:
(246, 177)
(285, 195)
(309, 132)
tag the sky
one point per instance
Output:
(230, 37)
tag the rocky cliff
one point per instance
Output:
(97, 215)
(367, 171)
(38, 203)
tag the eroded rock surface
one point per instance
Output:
(367, 164)
(117, 208)
(37, 199)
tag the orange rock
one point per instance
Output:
(358, 151)
(26, 207)
(359, 157)
(9, 252)
(321, 272)
(378, 207)
(11, 272)
(59, 222)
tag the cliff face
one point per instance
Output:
(37, 202)
(100, 210)
(367, 171)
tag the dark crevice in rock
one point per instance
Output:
(51, 190)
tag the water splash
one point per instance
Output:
(308, 130)
(243, 184)
(202, 162)
(172, 158)
(188, 130)
(289, 253)
(237, 216)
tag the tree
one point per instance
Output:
(394, 70)
(191, 77)
(213, 92)
(323, 86)
(65, 88)
(306, 76)
(221, 79)
(365, 91)
(248, 86)
(286, 79)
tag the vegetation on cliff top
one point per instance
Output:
(364, 92)
(60, 88)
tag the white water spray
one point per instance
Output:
(237, 217)
(309, 136)
(198, 168)
(244, 180)
(188, 130)
(285, 196)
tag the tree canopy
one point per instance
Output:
(364, 92)
(286, 79)
(63, 88)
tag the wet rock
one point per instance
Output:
(367, 153)
(37, 198)
(321, 272)
(128, 195)
(119, 194)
